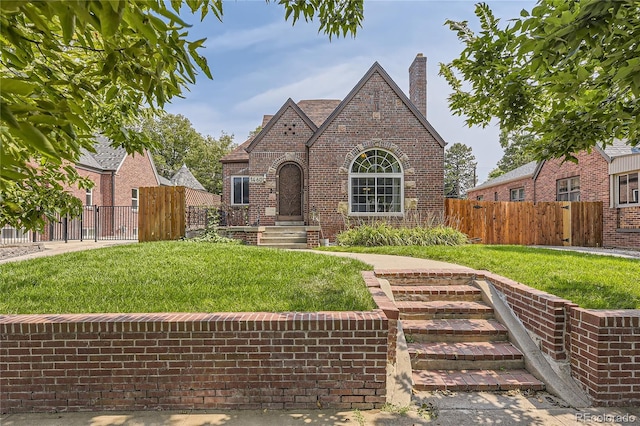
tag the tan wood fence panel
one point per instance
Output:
(526, 223)
(161, 214)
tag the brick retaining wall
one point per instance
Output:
(194, 361)
(602, 346)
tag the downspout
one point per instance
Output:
(113, 201)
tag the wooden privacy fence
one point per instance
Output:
(161, 213)
(526, 223)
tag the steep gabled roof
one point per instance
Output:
(377, 68)
(239, 154)
(288, 104)
(184, 177)
(318, 109)
(525, 171)
(105, 157)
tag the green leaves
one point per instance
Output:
(71, 69)
(566, 72)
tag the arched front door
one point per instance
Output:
(289, 192)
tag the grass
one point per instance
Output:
(591, 281)
(183, 277)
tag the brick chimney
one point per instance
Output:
(418, 83)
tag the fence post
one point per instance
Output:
(65, 221)
(95, 223)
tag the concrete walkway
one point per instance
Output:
(424, 408)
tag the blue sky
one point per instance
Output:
(258, 61)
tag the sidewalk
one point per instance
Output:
(423, 408)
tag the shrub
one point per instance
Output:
(211, 234)
(382, 234)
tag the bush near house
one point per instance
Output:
(383, 234)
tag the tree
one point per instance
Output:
(70, 70)
(204, 161)
(516, 152)
(179, 143)
(567, 72)
(459, 170)
(174, 137)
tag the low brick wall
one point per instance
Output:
(543, 314)
(605, 354)
(195, 361)
(602, 346)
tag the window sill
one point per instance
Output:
(628, 230)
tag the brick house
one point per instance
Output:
(609, 175)
(318, 162)
(117, 175)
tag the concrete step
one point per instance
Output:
(475, 380)
(465, 356)
(454, 330)
(271, 239)
(441, 309)
(287, 246)
(290, 223)
(436, 292)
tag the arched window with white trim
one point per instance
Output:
(376, 184)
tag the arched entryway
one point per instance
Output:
(289, 192)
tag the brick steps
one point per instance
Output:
(436, 292)
(465, 356)
(441, 309)
(455, 330)
(453, 339)
(475, 380)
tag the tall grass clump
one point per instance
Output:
(383, 234)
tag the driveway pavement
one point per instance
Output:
(423, 408)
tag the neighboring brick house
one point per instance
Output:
(516, 185)
(117, 175)
(371, 155)
(609, 175)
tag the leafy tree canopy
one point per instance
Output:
(516, 152)
(566, 72)
(178, 143)
(459, 170)
(72, 69)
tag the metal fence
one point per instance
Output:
(95, 223)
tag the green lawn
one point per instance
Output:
(591, 281)
(183, 277)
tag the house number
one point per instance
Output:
(257, 179)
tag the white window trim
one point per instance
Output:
(88, 192)
(376, 175)
(232, 187)
(137, 198)
(616, 188)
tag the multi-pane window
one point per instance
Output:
(568, 189)
(88, 197)
(376, 184)
(240, 190)
(517, 194)
(134, 199)
(628, 188)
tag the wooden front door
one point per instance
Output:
(290, 192)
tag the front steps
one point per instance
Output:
(454, 341)
(284, 237)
